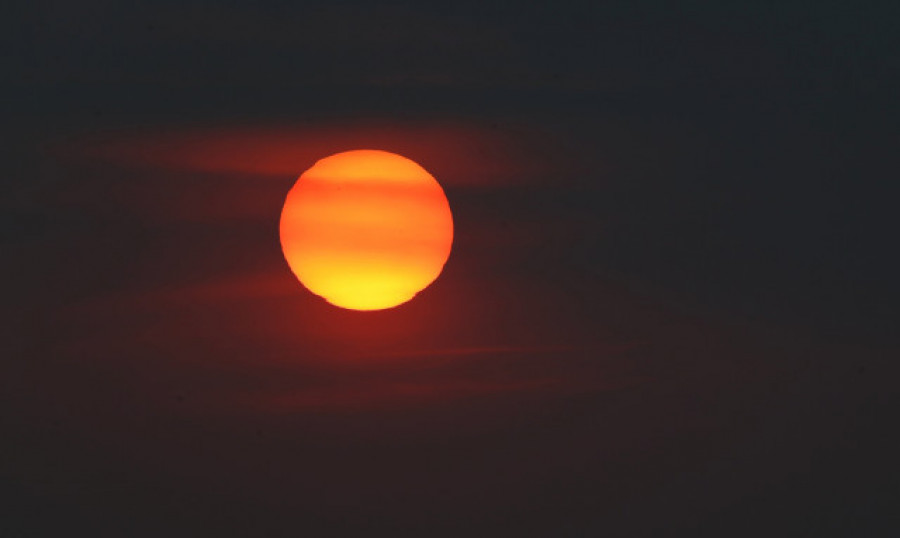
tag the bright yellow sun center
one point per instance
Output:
(366, 229)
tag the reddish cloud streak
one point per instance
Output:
(458, 154)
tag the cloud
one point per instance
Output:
(456, 153)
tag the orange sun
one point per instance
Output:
(366, 229)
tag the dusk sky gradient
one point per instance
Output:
(670, 308)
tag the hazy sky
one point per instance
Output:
(669, 309)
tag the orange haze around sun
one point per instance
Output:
(366, 229)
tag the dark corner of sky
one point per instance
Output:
(669, 308)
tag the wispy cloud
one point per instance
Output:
(457, 153)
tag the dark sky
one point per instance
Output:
(670, 309)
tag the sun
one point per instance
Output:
(366, 229)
